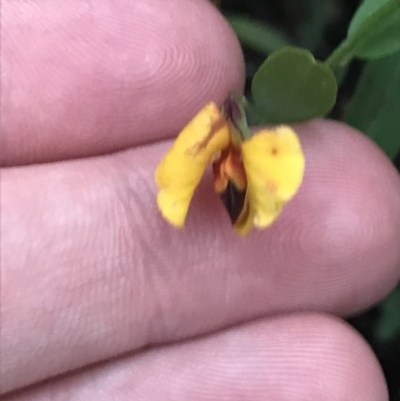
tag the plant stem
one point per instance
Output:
(340, 57)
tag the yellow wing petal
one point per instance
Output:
(179, 173)
(245, 221)
(274, 164)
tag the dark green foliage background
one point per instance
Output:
(319, 26)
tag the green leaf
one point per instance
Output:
(257, 35)
(375, 107)
(292, 86)
(375, 28)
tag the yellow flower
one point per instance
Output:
(254, 176)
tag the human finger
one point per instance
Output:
(90, 270)
(80, 81)
(296, 357)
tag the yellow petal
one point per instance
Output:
(245, 221)
(179, 173)
(274, 164)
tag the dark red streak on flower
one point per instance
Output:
(199, 146)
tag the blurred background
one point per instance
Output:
(319, 26)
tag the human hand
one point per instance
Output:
(91, 273)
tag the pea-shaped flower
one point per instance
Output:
(255, 175)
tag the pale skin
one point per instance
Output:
(97, 289)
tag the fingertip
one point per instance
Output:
(133, 72)
(327, 356)
(288, 358)
(346, 216)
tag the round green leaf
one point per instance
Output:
(292, 86)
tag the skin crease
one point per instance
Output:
(90, 271)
